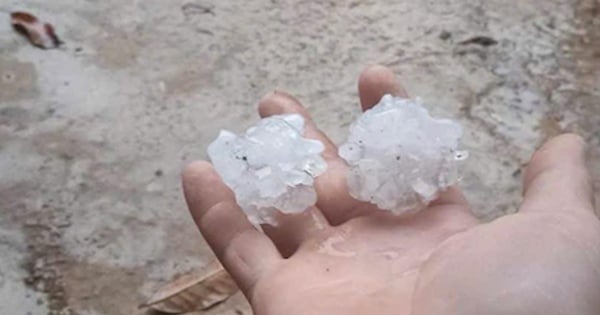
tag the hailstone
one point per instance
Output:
(270, 168)
(400, 158)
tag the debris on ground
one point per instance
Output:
(445, 35)
(480, 40)
(198, 290)
(190, 9)
(39, 33)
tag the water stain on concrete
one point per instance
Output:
(586, 46)
(187, 81)
(46, 257)
(18, 80)
(586, 66)
(117, 49)
(585, 63)
(42, 227)
(111, 289)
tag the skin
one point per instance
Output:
(347, 257)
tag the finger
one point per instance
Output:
(451, 196)
(279, 103)
(293, 229)
(333, 198)
(244, 251)
(557, 179)
(375, 82)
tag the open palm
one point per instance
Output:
(347, 257)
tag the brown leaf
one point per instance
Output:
(38, 33)
(200, 289)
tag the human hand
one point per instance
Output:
(347, 257)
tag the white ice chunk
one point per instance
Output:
(400, 158)
(271, 167)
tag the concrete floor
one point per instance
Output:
(93, 135)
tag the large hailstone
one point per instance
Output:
(400, 158)
(271, 167)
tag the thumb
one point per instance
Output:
(557, 179)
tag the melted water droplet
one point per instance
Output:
(328, 247)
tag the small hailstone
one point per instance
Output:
(271, 167)
(400, 158)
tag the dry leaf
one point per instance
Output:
(199, 290)
(40, 34)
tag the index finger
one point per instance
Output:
(244, 251)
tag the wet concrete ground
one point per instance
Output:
(93, 135)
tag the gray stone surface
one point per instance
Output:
(93, 135)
